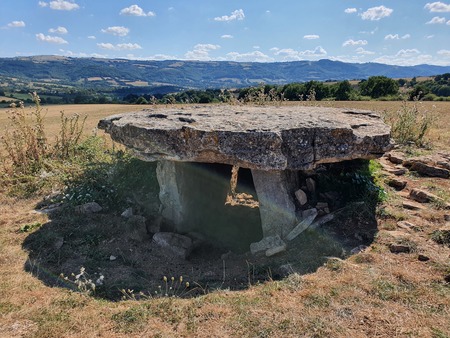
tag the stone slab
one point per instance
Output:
(265, 138)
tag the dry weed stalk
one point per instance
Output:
(410, 124)
(25, 141)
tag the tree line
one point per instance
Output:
(436, 88)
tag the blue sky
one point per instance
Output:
(393, 32)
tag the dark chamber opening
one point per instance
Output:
(206, 187)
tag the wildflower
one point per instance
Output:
(187, 284)
(165, 279)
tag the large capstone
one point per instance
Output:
(263, 138)
(275, 143)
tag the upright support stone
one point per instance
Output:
(170, 179)
(276, 205)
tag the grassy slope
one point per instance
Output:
(372, 294)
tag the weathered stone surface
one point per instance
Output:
(276, 250)
(178, 245)
(276, 204)
(429, 170)
(412, 205)
(423, 196)
(396, 183)
(320, 221)
(301, 197)
(265, 138)
(396, 157)
(170, 179)
(266, 243)
(309, 216)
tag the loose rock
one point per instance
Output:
(88, 208)
(396, 157)
(176, 244)
(413, 205)
(276, 250)
(399, 248)
(127, 213)
(309, 216)
(266, 243)
(429, 170)
(423, 258)
(396, 183)
(301, 197)
(311, 185)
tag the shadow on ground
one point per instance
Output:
(106, 244)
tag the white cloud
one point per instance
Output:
(227, 36)
(120, 46)
(63, 5)
(255, 56)
(405, 57)
(311, 37)
(256, 47)
(201, 52)
(376, 13)
(161, 57)
(16, 24)
(238, 14)
(289, 54)
(407, 52)
(448, 22)
(92, 37)
(396, 37)
(135, 10)
(60, 30)
(437, 7)
(429, 36)
(50, 39)
(43, 3)
(350, 10)
(444, 52)
(116, 30)
(436, 20)
(352, 42)
(362, 51)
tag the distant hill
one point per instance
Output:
(107, 73)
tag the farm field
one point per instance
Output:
(372, 293)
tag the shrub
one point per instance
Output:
(409, 124)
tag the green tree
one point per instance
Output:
(378, 86)
(418, 92)
(141, 100)
(343, 91)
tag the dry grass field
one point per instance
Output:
(374, 293)
(52, 114)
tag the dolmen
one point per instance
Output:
(274, 142)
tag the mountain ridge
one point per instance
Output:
(98, 72)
